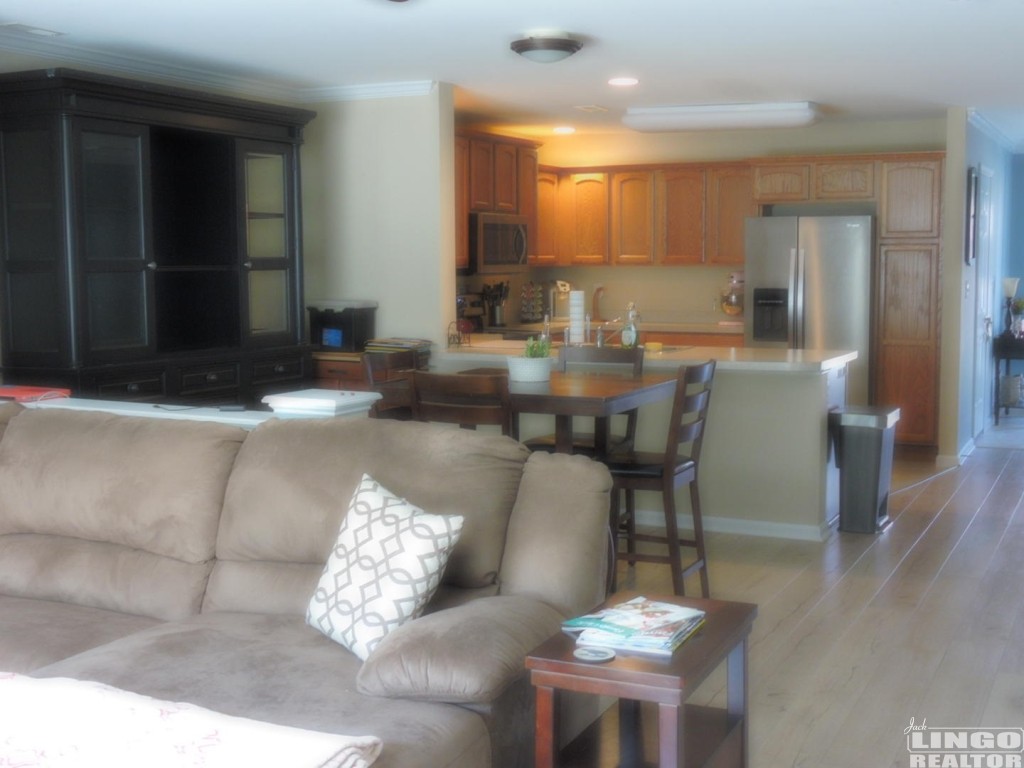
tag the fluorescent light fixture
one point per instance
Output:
(722, 117)
(546, 46)
(15, 26)
(563, 129)
(623, 82)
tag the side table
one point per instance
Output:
(1004, 350)
(667, 681)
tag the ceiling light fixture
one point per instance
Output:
(623, 82)
(546, 46)
(722, 117)
(15, 26)
(563, 129)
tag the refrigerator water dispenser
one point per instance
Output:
(771, 314)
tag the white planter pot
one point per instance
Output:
(529, 368)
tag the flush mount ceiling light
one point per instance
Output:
(14, 26)
(722, 117)
(546, 46)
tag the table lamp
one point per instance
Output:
(1009, 291)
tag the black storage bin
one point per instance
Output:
(863, 438)
(342, 326)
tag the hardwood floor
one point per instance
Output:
(859, 633)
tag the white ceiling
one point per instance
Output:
(858, 59)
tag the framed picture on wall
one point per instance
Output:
(971, 225)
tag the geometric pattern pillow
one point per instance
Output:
(383, 570)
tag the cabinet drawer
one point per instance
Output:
(144, 385)
(209, 377)
(276, 369)
(340, 369)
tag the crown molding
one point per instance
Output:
(371, 91)
(136, 66)
(982, 123)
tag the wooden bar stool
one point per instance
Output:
(464, 399)
(634, 471)
(585, 442)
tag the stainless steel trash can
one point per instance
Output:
(863, 440)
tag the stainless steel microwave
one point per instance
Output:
(498, 243)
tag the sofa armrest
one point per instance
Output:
(466, 654)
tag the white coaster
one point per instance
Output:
(594, 655)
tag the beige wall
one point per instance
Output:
(378, 196)
(830, 137)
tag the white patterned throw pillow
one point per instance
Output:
(384, 568)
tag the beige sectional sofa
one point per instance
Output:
(175, 559)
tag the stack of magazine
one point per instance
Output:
(638, 625)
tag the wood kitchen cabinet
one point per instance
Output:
(911, 200)
(908, 337)
(730, 200)
(583, 225)
(545, 243)
(632, 217)
(844, 181)
(679, 216)
(461, 203)
(506, 176)
(481, 175)
(527, 183)
(782, 183)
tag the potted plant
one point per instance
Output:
(534, 365)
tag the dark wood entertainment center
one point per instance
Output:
(151, 240)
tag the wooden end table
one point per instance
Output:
(667, 681)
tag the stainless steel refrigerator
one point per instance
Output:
(808, 286)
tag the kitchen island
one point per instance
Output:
(766, 468)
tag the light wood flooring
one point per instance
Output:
(859, 633)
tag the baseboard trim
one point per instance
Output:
(966, 451)
(944, 461)
(765, 528)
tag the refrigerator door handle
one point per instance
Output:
(801, 286)
(795, 304)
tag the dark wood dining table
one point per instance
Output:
(599, 394)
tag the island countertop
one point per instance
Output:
(729, 358)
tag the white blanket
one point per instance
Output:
(60, 723)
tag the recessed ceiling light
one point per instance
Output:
(591, 108)
(564, 129)
(623, 81)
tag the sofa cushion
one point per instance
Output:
(293, 478)
(7, 412)
(467, 654)
(277, 669)
(385, 566)
(34, 633)
(150, 484)
(112, 512)
(100, 575)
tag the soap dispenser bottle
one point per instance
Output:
(630, 332)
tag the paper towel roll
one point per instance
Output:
(576, 315)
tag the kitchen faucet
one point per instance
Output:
(601, 338)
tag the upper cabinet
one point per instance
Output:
(544, 244)
(730, 200)
(585, 225)
(679, 216)
(461, 202)
(844, 181)
(506, 176)
(791, 182)
(527, 181)
(632, 217)
(481, 175)
(911, 199)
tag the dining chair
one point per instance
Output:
(389, 374)
(584, 442)
(468, 400)
(634, 471)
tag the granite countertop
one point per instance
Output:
(697, 326)
(755, 359)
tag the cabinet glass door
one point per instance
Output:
(268, 243)
(113, 239)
